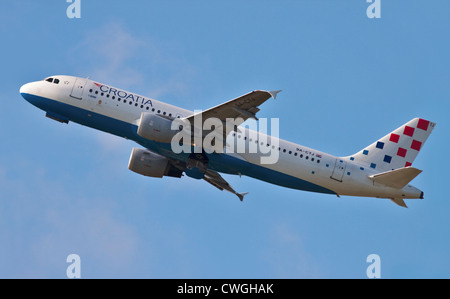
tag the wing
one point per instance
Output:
(239, 110)
(217, 181)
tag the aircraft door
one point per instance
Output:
(339, 169)
(78, 88)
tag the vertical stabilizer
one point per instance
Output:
(397, 149)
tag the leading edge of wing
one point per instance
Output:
(240, 104)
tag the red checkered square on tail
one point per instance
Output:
(416, 145)
(408, 131)
(397, 149)
(423, 124)
(401, 152)
(394, 137)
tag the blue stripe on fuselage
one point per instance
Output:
(219, 162)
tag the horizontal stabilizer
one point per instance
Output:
(397, 178)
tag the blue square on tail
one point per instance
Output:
(380, 145)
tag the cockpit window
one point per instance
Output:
(52, 80)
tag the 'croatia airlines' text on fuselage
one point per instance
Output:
(120, 94)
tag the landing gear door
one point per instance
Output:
(78, 88)
(339, 169)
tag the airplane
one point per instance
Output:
(381, 170)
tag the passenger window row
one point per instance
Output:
(119, 99)
(307, 157)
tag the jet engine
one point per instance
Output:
(150, 164)
(156, 128)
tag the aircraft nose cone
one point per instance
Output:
(29, 92)
(25, 89)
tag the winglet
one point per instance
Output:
(274, 93)
(241, 195)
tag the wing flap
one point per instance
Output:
(397, 178)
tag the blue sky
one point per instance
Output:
(347, 80)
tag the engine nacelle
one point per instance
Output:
(156, 128)
(150, 164)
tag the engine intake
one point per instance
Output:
(150, 164)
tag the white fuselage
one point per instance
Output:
(118, 112)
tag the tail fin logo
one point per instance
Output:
(397, 149)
